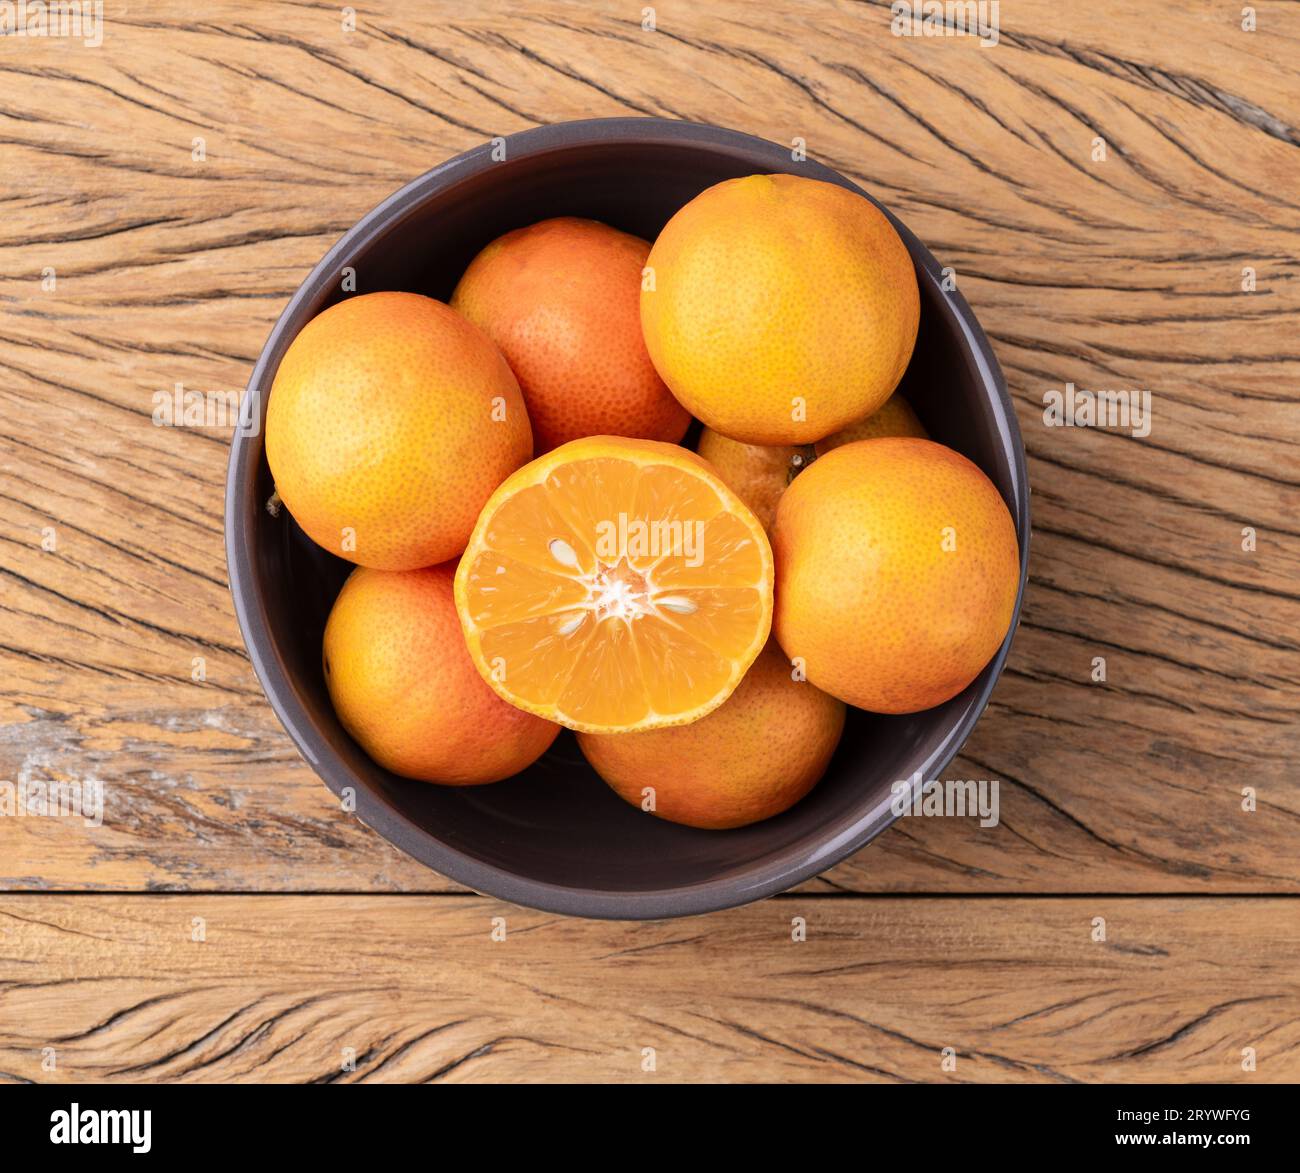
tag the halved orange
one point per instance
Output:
(615, 584)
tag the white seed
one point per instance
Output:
(569, 626)
(562, 552)
(678, 604)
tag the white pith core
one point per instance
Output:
(615, 591)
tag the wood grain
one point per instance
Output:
(1115, 274)
(419, 990)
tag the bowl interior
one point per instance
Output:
(557, 825)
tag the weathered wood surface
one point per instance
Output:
(1125, 273)
(118, 988)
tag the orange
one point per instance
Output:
(754, 756)
(758, 473)
(391, 420)
(615, 584)
(782, 308)
(561, 299)
(894, 418)
(897, 572)
(403, 685)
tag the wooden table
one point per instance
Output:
(163, 195)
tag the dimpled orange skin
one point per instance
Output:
(756, 755)
(882, 615)
(402, 683)
(756, 473)
(394, 418)
(894, 418)
(561, 299)
(777, 297)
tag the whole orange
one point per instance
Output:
(894, 417)
(402, 683)
(759, 473)
(781, 309)
(756, 755)
(756, 473)
(897, 569)
(391, 420)
(561, 299)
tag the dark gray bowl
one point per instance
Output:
(554, 837)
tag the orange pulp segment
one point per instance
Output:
(615, 584)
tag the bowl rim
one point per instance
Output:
(773, 873)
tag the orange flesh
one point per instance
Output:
(616, 593)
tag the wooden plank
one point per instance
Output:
(1123, 273)
(418, 989)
